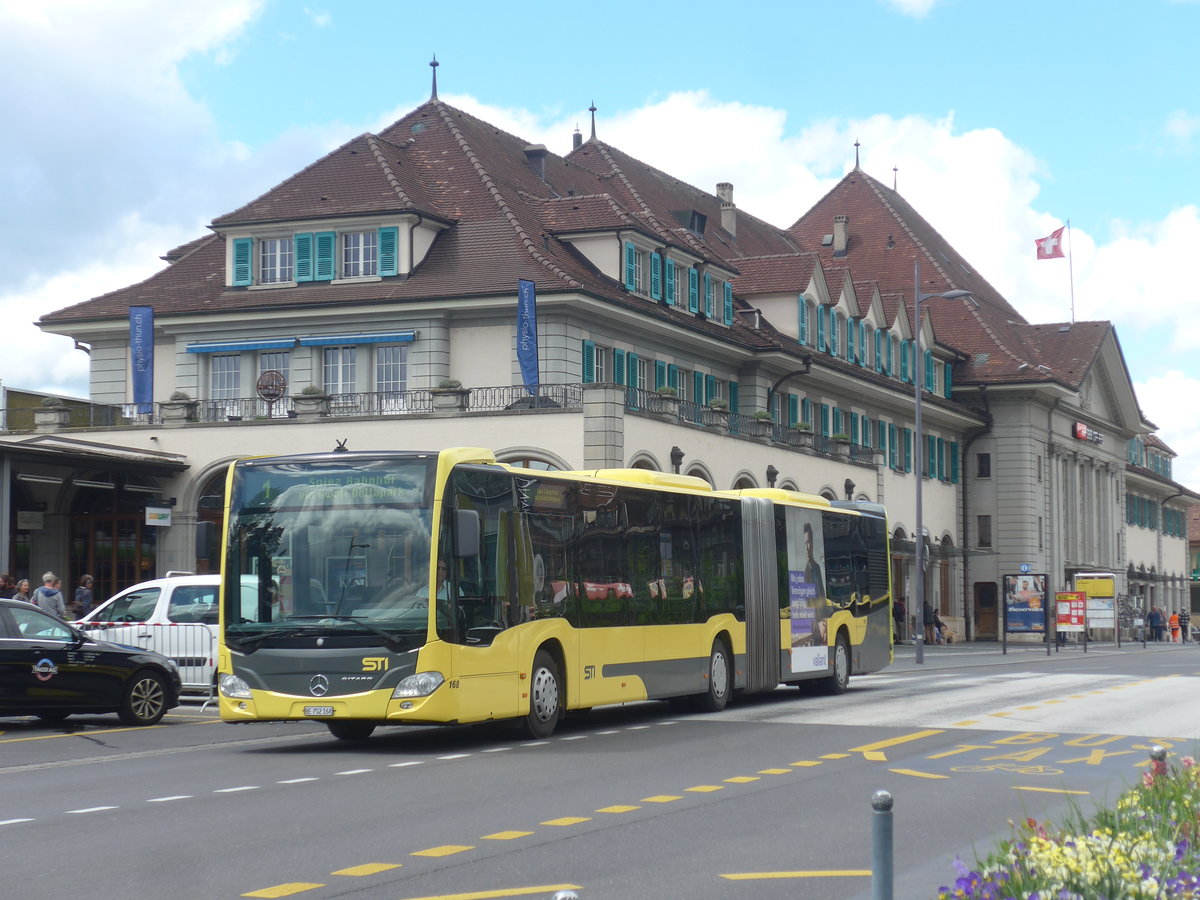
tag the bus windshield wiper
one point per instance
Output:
(240, 642)
(390, 639)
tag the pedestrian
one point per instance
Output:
(1155, 621)
(8, 586)
(23, 591)
(84, 599)
(927, 612)
(1185, 624)
(49, 598)
(1173, 621)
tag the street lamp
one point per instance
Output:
(918, 440)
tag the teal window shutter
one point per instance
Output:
(589, 362)
(243, 262)
(325, 252)
(891, 355)
(793, 410)
(862, 342)
(941, 459)
(904, 360)
(908, 449)
(954, 462)
(806, 412)
(618, 366)
(669, 278)
(822, 327)
(854, 428)
(630, 266)
(655, 276)
(893, 454)
(931, 455)
(302, 244)
(824, 420)
(710, 387)
(803, 309)
(660, 374)
(851, 344)
(693, 290)
(929, 381)
(947, 383)
(733, 396)
(698, 387)
(631, 369)
(879, 339)
(708, 295)
(839, 427)
(728, 315)
(389, 240)
(835, 338)
(673, 376)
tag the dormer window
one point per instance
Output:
(360, 256)
(275, 261)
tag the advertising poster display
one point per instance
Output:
(1070, 611)
(1101, 591)
(806, 591)
(1025, 604)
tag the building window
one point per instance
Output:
(984, 531)
(276, 361)
(391, 368)
(360, 254)
(983, 465)
(640, 264)
(275, 260)
(225, 371)
(338, 375)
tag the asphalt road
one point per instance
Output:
(769, 799)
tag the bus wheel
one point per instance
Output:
(719, 671)
(350, 731)
(840, 679)
(545, 697)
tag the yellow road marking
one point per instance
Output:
(774, 771)
(444, 850)
(806, 763)
(504, 892)
(1033, 706)
(915, 774)
(567, 820)
(834, 755)
(1000, 715)
(1052, 701)
(892, 742)
(1042, 790)
(506, 835)
(814, 873)
(874, 756)
(366, 869)
(618, 809)
(742, 779)
(705, 788)
(660, 798)
(285, 890)
(966, 723)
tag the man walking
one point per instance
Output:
(1185, 624)
(49, 598)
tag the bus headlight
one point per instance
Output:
(421, 684)
(233, 687)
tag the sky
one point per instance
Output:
(129, 125)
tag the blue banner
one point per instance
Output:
(141, 356)
(527, 339)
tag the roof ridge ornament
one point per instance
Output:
(592, 110)
(433, 64)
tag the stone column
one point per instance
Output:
(603, 426)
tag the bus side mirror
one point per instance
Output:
(466, 533)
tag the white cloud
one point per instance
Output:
(1182, 125)
(917, 9)
(320, 19)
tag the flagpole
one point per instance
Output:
(1071, 269)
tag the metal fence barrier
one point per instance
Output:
(192, 646)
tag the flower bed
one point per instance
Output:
(1144, 849)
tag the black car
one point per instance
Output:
(52, 670)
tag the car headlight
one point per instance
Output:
(234, 688)
(421, 684)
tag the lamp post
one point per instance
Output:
(918, 440)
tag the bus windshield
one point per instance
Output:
(336, 545)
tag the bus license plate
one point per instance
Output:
(318, 710)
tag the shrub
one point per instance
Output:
(761, 415)
(449, 384)
(181, 396)
(840, 436)
(313, 390)
(53, 402)
(718, 403)
(666, 391)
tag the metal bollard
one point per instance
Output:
(881, 846)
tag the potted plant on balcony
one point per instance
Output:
(760, 423)
(178, 408)
(666, 401)
(716, 414)
(450, 394)
(840, 443)
(312, 401)
(800, 435)
(51, 415)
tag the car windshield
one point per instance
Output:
(335, 546)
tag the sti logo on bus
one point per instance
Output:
(374, 664)
(589, 672)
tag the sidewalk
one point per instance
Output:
(990, 653)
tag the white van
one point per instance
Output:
(175, 616)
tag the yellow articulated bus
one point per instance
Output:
(416, 588)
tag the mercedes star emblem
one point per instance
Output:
(319, 686)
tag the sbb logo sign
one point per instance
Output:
(1083, 433)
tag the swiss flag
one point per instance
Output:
(1050, 247)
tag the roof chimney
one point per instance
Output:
(728, 210)
(841, 225)
(577, 139)
(536, 155)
